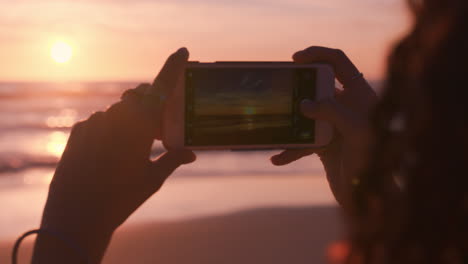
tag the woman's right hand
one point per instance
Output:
(348, 112)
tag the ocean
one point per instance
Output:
(35, 121)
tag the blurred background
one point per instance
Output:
(63, 60)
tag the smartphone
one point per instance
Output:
(247, 106)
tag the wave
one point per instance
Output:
(17, 162)
(82, 89)
(74, 89)
(26, 109)
(14, 162)
(34, 127)
(216, 163)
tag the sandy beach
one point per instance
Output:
(230, 216)
(269, 235)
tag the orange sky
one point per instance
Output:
(129, 39)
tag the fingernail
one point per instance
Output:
(182, 50)
(297, 56)
(182, 53)
(277, 161)
(274, 160)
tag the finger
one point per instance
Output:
(290, 155)
(171, 71)
(81, 132)
(94, 124)
(338, 92)
(167, 163)
(340, 98)
(329, 110)
(75, 141)
(346, 72)
(165, 83)
(97, 135)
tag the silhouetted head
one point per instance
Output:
(421, 125)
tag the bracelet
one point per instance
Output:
(74, 246)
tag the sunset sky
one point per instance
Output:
(130, 39)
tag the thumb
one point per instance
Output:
(165, 85)
(167, 163)
(331, 111)
(171, 72)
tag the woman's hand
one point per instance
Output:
(348, 112)
(106, 173)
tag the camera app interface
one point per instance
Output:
(239, 106)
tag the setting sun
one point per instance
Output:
(61, 52)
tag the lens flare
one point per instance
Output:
(250, 110)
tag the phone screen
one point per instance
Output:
(248, 106)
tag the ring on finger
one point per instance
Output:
(358, 76)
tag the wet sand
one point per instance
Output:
(269, 236)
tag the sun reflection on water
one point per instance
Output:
(38, 177)
(57, 141)
(66, 118)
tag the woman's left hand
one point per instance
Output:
(106, 173)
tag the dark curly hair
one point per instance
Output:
(412, 202)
